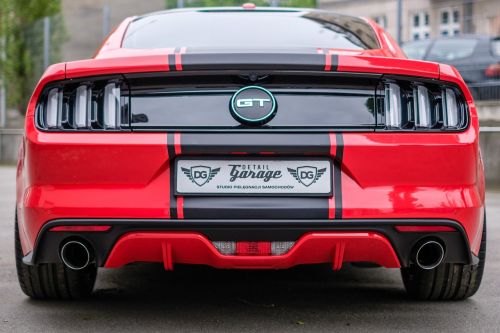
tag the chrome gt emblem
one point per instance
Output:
(200, 175)
(253, 105)
(307, 175)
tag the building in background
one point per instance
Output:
(423, 19)
(87, 21)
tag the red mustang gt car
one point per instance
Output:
(250, 138)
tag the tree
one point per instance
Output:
(21, 35)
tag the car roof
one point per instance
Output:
(277, 10)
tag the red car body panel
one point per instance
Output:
(127, 175)
(312, 248)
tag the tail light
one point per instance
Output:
(85, 105)
(416, 106)
(493, 71)
(230, 248)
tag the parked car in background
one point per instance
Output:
(477, 58)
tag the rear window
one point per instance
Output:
(495, 45)
(253, 30)
(452, 49)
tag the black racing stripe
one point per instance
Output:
(255, 208)
(253, 61)
(335, 62)
(254, 143)
(171, 60)
(337, 174)
(171, 157)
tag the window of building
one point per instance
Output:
(449, 24)
(381, 20)
(421, 26)
(444, 17)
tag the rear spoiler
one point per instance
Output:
(179, 61)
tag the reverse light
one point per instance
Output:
(225, 248)
(279, 248)
(260, 248)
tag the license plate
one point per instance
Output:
(225, 176)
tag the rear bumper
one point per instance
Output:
(190, 242)
(194, 248)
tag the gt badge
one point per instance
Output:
(307, 175)
(200, 175)
(253, 105)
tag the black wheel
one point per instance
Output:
(53, 281)
(447, 281)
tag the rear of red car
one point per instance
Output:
(237, 149)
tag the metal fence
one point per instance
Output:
(486, 91)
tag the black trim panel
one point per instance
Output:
(171, 163)
(335, 62)
(47, 245)
(255, 143)
(337, 174)
(232, 207)
(253, 61)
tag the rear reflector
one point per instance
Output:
(424, 228)
(225, 248)
(253, 248)
(80, 228)
(279, 248)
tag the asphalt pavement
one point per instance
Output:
(143, 297)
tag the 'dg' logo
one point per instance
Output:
(307, 175)
(200, 175)
(253, 105)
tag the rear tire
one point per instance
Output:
(447, 281)
(52, 281)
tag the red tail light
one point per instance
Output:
(493, 70)
(81, 228)
(424, 228)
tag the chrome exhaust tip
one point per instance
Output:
(429, 254)
(75, 255)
